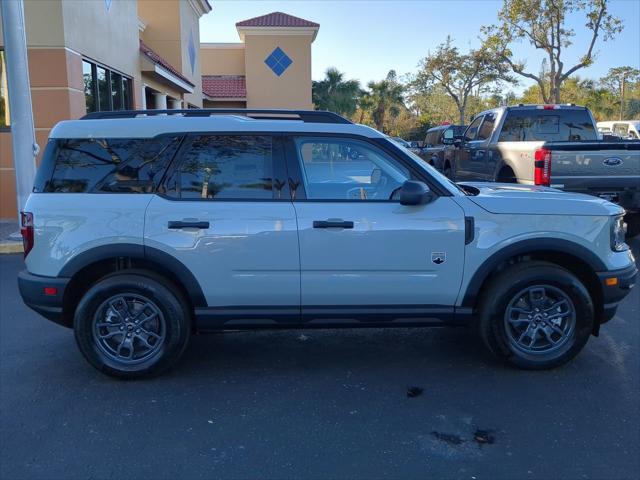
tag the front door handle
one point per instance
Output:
(177, 224)
(332, 224)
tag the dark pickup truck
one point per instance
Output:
(551, 145)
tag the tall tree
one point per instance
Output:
(543, 24)
(385, 97)
(460, 75)
(618, 80)
(336, 94)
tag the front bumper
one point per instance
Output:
(614, 292)
(32, 290)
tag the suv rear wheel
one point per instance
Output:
(536, 315)
(131, 325)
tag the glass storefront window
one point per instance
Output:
(89, 89)
(4, 94)
(105, 89)
(116, 91)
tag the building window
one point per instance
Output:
(4, 94)
(105, 89)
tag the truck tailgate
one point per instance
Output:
(594, 165)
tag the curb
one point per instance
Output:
(10, 247)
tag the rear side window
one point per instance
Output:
(563, 125)
(116, 165)
(228, 167)
(487, 127)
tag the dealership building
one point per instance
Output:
(111, 55)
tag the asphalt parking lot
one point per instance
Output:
(317, 404)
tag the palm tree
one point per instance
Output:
(336, 94)
(387, 97)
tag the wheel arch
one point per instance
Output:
(570, 255)
(89, 266)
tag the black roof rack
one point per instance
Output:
(307, 116)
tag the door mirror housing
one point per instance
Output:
(414, 192)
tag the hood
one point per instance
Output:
(513, 198)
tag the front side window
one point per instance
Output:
(346, 169)
(227, 167)
(472, 131)
(114, 165)
(4, 93)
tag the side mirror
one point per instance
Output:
(414, 192)
(448, 137)
(458, 141)
(414, 145)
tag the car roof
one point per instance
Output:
(151, 126)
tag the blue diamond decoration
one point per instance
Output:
(278, 61)
(107, 4)
(191, 49)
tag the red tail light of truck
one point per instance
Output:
(542, 167)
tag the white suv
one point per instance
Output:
(144, 227)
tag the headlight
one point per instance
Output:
(618, 232)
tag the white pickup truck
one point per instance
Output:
(550, 145)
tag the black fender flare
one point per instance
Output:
(129, 250)
(523, 247)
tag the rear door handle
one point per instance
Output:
(177, 224)
(332, 224)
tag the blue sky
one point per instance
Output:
(367, 38)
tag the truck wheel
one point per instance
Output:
(131, 325)
(536, 315)
(633, 224)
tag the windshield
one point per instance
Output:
(432, 171)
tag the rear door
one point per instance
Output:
(226, 214)
(364, 257)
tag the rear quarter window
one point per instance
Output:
(563, 125)
(116, 165)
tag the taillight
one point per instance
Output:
(26, 230)
(542, 170)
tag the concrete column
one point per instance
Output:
(175, 104)
(160, 101)
(144, 97)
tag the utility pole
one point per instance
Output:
(24, 144)
(622, 78)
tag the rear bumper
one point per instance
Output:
(612, 295)
(32, 290)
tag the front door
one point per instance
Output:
(364, 256)
(227, 216)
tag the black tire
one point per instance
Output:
(166, 332)
(633, 224)
(447, 171)
(506, 175)
(498, 333)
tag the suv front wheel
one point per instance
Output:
(131, 325)
(536, 315)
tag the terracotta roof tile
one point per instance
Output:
(157, 59)
(276, 19)
(224, 86)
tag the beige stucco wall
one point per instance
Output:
(264, 88)
(44, 23)
(218, 59)
(190, 31)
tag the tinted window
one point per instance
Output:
(487, 127)
(126, 165)
(563, 125)
(344, 169)
(225, 167)
(471, 132)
